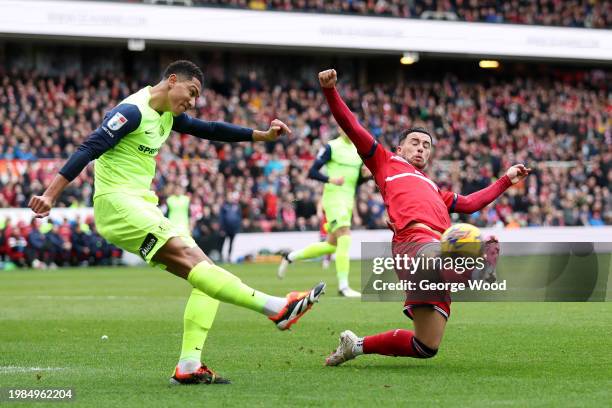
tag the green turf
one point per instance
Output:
(493, 354)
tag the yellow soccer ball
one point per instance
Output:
(462, 240)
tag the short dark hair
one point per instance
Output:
(186, 69)
(417, 129)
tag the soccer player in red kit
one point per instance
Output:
(419, 213)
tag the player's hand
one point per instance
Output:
(41, 205)
(328, 78)
(517, 173)
(492, 248)
(491, 254)
(277, 128)
(337, 180)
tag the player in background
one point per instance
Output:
(343, 166)
(419, 213)
(178, 207)
(126, 212)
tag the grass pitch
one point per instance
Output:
(493, 354)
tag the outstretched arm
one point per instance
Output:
(481, 198)
(323, 157)
(120, 121)
(363, 141)
(227, 132)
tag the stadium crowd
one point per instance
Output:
(53, 244)
(560, 127)
(566, 13)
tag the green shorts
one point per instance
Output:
(135, 224)
(338, 214)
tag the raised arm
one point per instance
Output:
(481, 198)
(361, 138)
(227, 132)
(120, 121)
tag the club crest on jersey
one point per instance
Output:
(117, 121)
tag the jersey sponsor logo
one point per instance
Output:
(148, 150)
(117, 121)
(147, 245)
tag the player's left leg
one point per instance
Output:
(198, 318)
(314, 250)
(190, 263)
(422, 342)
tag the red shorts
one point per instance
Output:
(424, 236)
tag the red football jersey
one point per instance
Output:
(409, 195)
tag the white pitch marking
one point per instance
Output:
(17, 369)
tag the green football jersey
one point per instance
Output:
(345, 162)
(178, 210)
(129, 167)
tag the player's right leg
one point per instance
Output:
(340, 213)
(343, 239)
(190, 263)
(422, 342)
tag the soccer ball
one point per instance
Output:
(462, 240)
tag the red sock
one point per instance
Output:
(391, 343)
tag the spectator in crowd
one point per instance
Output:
(81, 245)
(36, 252)
(230, 220)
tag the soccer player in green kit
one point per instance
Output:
(126, 212)
(178, 207)
(343, 165)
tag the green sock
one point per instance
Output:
(199, 315)
(219, 284)
(342, 260)
(312, 251)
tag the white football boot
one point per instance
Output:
(344, 352)
(349, 293)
